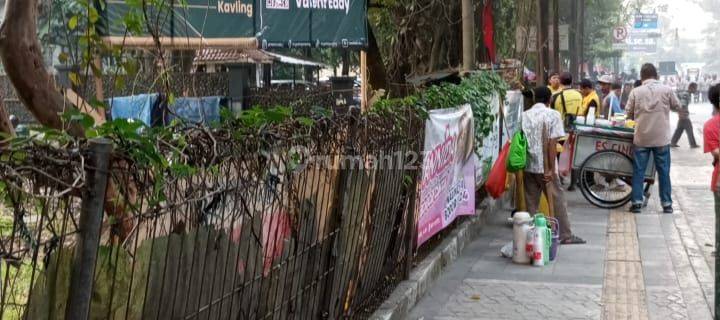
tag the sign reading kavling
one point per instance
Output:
(274, 23)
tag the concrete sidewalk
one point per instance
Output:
(648, 266)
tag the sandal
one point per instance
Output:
(573, 240)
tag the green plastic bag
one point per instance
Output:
(517, 160)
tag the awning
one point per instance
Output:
(296, 61)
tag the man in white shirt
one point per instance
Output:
(537, 122)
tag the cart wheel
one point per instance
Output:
(600, 186)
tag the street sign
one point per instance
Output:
(641, 42)
(646, 21)
(620, 34)
(274, 23)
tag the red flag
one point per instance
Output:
(489, 29)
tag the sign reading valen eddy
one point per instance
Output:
(447, 188)
(275, 23)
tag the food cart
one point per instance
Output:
(603, 159)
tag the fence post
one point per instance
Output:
(91, 215)
(416, 130)
(411, 231)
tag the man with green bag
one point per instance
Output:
(542, 127)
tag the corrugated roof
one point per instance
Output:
(250, 56)
(233, 56)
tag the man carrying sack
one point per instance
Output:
(540, 174)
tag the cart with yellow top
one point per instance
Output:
(603, 160)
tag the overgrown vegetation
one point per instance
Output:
(476, 90)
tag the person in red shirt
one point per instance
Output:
(711, 133)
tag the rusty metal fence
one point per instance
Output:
(274, 226)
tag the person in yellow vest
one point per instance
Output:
(568, 101)
(554, 83)
(590, 98)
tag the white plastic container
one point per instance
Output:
(538, 244)
(521, 227)
(590, 119)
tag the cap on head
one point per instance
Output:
(606, 79)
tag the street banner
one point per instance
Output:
(490, 149)
(514, 105)
(447, 188)
(273, 23)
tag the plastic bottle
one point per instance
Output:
(590, 118)
(521, 226)
(538, 246)
(542, 239)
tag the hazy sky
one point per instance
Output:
(685, 15)
(688, 17)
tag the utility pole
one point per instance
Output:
(574, 47)
(556, 36)
(542, 41)
(468, 29)
(580, 36)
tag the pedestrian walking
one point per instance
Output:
(537, 121)
(650, 105)
(684, 124)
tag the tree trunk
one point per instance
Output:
(6, 126)
(542, 34)
(436, 48)
(24, 65)
(377, 77)
(468, 36)
(574, 39)
(581, 36)
(345, 63)
(556, 36)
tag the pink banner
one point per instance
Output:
(447, 188)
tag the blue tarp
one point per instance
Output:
(204, 110)
(138, 107)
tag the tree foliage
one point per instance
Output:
(417, 36)
(600, 18)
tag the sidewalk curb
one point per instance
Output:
(424, 275)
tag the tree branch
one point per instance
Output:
(21, 55)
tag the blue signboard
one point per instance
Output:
(646, 21)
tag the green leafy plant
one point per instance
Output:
(477, 90)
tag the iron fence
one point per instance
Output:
(280, 225)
